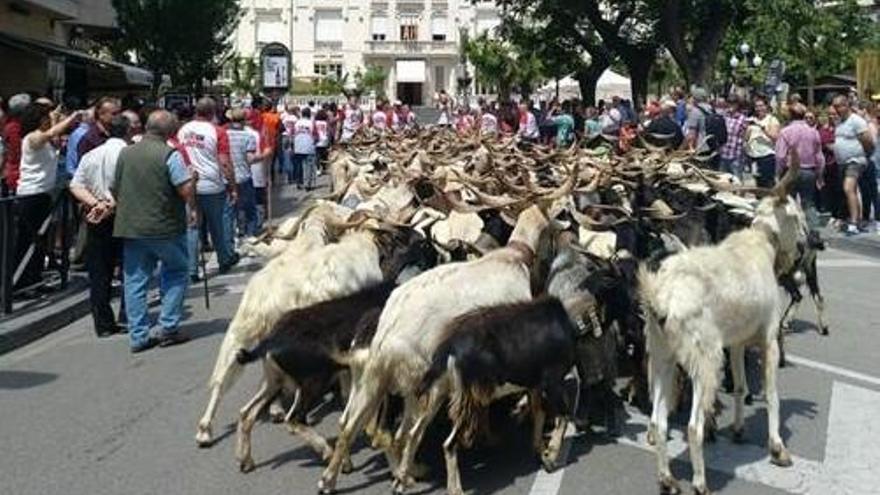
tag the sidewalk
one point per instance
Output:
(33, 320)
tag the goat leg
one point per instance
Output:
(450, 452)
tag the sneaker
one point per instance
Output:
(851, 230)
(225, 268)
(172, 339)
(195, 279)
(144, 346)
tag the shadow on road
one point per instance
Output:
(202, 329)
(19, 380)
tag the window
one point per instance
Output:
(270, 31)
(328, 70)
(328, 26)
(409, 28)
(380, 24)
(438, 28)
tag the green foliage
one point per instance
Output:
(373, 79)
(245, 74)
(812, 40)
(188, 39)
(504, 65)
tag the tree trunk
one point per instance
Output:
(697, 60)
(587, 79)
(639, 71)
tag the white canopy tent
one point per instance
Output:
(609, 84)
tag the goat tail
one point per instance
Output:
(246, 356)
(647, 292)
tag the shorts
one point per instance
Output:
(854, 169)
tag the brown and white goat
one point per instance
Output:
(708, 298)
(295, 279)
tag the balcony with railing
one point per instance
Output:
(385, 47)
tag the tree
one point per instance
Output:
(565, 46)
(692, 31)
(245, 75)
(187, 39)
(373, 79)
(812, 40)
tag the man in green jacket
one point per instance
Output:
(152, 189)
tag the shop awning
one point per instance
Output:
(103, 74)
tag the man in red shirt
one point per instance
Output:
(12, 141)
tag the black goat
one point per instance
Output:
(804, 270)
(305, 352)
(529, 345)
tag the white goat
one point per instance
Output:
(708, 298)
(410, 329)
(306, 273)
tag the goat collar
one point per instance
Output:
(775, 244)
(528, 254)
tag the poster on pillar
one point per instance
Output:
(275, 62)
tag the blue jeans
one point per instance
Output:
(246, 209)
(732, 166)
(139, 260)
(289, 165)
(213, 211)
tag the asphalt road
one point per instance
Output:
(82, 416)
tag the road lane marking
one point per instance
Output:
(851, 456)
(835, 370)
(846, 263)
(549, 483)
(746, 462)
(851, 453)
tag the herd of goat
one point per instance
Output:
(449, 272)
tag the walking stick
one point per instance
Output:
(202, 261)
(204, 274)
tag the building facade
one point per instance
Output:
(416, 42)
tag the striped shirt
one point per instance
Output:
(241, 142)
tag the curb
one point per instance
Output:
(66, 311)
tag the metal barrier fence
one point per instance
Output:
(54, 228)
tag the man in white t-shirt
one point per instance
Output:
(354, 119)
(207, 146)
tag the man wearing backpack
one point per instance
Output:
(706, 129)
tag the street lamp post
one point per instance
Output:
(749, 63)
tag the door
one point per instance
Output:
(410, 93)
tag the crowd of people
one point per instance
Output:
(155, 186)
(747, 138)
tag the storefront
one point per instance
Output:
(61, 72)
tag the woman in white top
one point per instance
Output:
(39, 166)
(761, 135)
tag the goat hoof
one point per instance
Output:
(669, 486)
(246, 465)
(652, 436)
(276, 413)
(702, 491)
(204, 438)
(824, 331)
(780, 457)
(400, 484)
(347, 466)
(548, 461)
(326, 487)
(749, 399)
